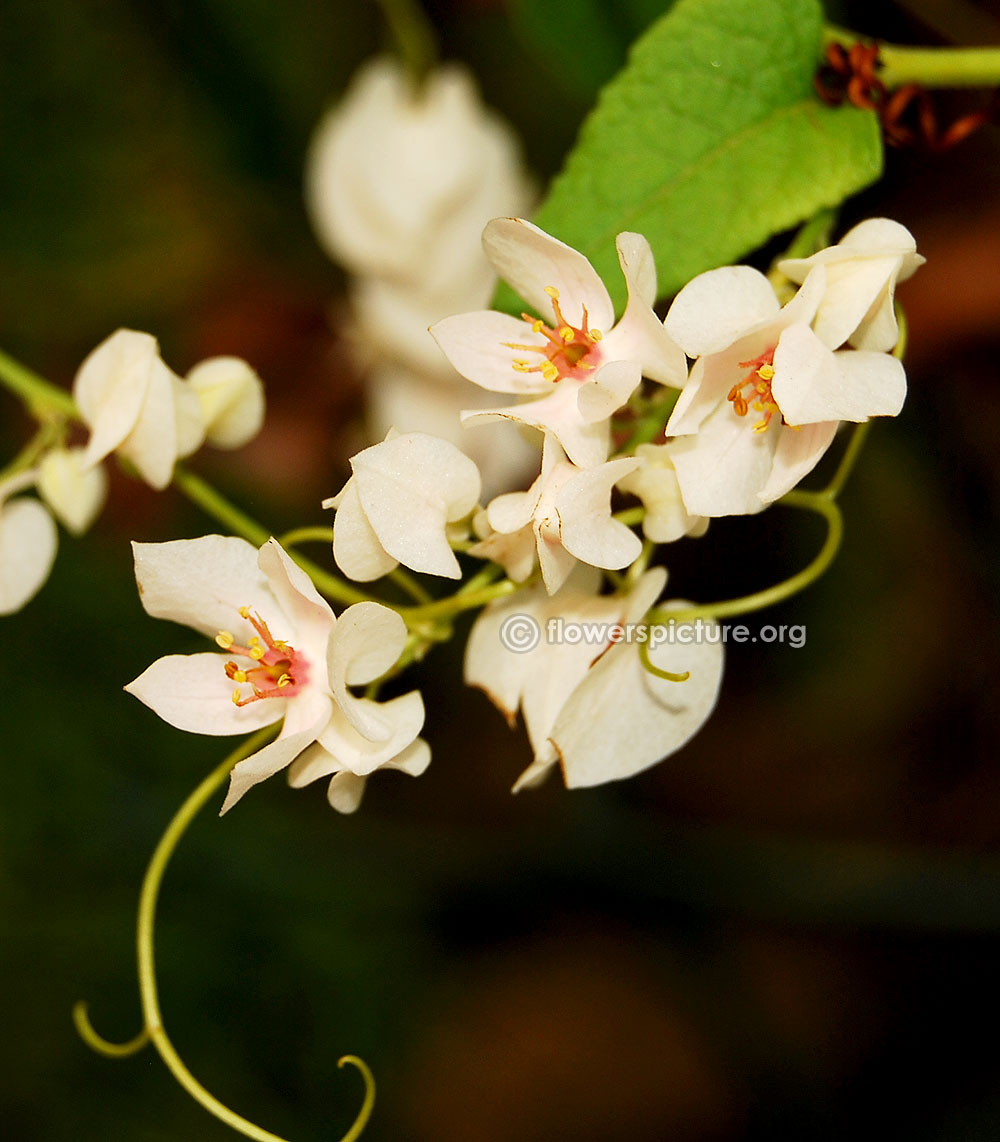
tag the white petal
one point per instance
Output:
(110, 388)
(718, 306)
(610, 388)
(152, 445)
(367, 641)
(398, 722)
(722, 469)
(231, 397)
(74, 491)
(310, 614)
(28, 541)
(191, 692)
(558, 414)
(345, 791)
(203, 582)
(585, 524)
(264, 764)
(410, 487)
(799, 451)
(479, 346)
(655, 483)
(621, 719)
(356, 548)
(532, 261)
(188, 419)
(812, 384)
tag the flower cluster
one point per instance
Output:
(134, 405)
(745, 394)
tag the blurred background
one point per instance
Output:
(788, 930)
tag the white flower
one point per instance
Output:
(655, 483)
(765, 394)
(581, 368)
(400, 179)
(28, 542)
(73, 490)
(592, 706)
(564, 516)
(288, 658)
(397, 506)
(861, 276)
(505, 457)
(231, 397)
(134, 405)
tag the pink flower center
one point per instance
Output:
(569, 350)
(754, 391)
(274, 669)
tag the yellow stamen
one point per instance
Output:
(284, 680)
(225, 639)
(244, 612)
(552, 292)
(236, 698)
(596, 335)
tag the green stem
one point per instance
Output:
(306, 535)
(413, 37)
(49, 433)
(462, 601)
(930, 67)
(217, 506)
(406, 583)
(820, 502)
(43, 399)
(145, 939)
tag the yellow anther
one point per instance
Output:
(596, 335)
(566, 333)
(757, 406)
(244, 612)
(236, 698)
(766, 372)
(760, 426)
(281, 644)
(537, 325)
(552, 292)
(257, 652)
(284, 680)
(522, 366)
(239, 676)
(225, 639)
(550, 372)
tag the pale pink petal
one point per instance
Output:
(532, 261)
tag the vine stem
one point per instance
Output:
(153, 1030)
(930, 67)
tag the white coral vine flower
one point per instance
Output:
(588, 702)
(564, 516)
(401, 179)
(28, 542)
(655, 483)
(231, 396)
(285, 657)
(575, 363)
(74, 491)
(398, 505)
(766, 393)
(136, 406)
(861, 275)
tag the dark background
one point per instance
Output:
(789, 930)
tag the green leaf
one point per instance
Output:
(581, 44)
(710, 142)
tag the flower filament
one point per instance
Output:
(277, 670)
(567, 346)
(754, 391)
